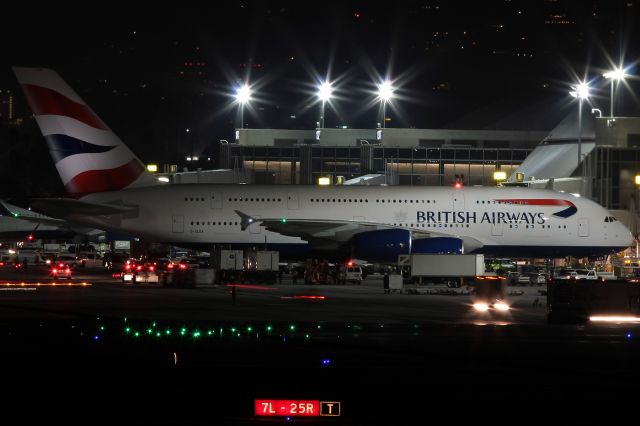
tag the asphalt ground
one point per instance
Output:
(149, 354)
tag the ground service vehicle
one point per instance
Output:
(452, 269)
(350, 274)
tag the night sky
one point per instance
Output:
(152, 73)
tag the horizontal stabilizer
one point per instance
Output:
(66, 207)
(245, 220)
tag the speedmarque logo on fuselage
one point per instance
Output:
(498, 217)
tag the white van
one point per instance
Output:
(352, 274)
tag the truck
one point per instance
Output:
(585, 274)
(261, 266)
(452, 269)
(228, 265)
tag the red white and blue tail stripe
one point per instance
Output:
(88, 156)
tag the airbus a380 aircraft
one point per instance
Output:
(110, 189)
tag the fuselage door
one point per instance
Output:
(216, 200)
(292, 200)
(177, 224)
(496, 229)
(583, 227)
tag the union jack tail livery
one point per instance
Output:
(88, 155)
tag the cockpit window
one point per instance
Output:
(610, 219)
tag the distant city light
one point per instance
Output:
(152, 168)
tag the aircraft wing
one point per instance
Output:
(337, 230)
(67, 207)
(21, 214)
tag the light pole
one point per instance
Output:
(243, 95)
(324, 93)
(581, 92)
(616, 74)
(385, 93)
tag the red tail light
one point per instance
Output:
(183, 266)
(139, 268)
(170, 266)
(151, 268)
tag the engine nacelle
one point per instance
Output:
(382, 246)
(385, 245)
(437, 245)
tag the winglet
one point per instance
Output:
(245, 220)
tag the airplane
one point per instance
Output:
(109, 189)
(17, 223)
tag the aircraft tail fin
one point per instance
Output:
(88, 155)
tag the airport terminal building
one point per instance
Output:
(400, 156)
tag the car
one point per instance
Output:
(524, 279)
(60, 270)
(140, 272)
(352, 274)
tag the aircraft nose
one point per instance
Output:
(624, 236)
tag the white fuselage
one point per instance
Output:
(205, 213)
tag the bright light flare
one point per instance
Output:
(385, 91)
(251, 286)
(615, 74)
(243, 94)
(501, 306)
(498, 175)
(325, 90)
(304, 297)
(580, 91)
(481, 307)
(613, 318)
